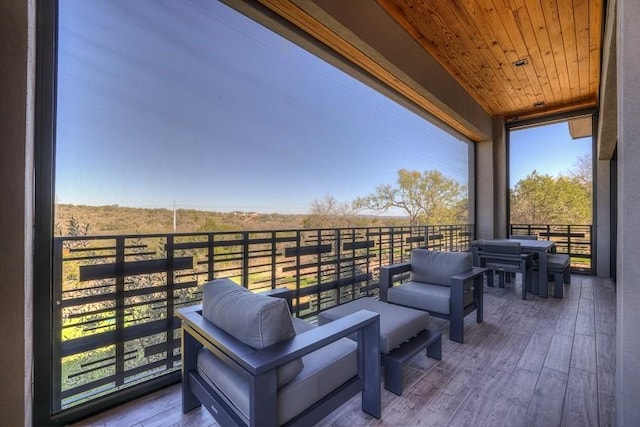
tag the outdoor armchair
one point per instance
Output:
(442, 283)
(251, 363)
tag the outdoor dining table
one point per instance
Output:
(541, 248)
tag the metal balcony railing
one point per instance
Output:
(575, 240)
(115, 296)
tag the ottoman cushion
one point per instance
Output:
(397, 324)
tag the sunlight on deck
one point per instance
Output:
(532, 362)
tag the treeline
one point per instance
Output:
(423, 198)
(79, 220)
(546, 199)
(102, 220)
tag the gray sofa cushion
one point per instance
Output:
(423, 296)
(324, 370)
(397, 324)
(437, 267)
(255, 320)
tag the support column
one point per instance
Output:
(17, 69)
(500, 183)
(491, 184)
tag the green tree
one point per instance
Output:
(543, 199)
(427, 198)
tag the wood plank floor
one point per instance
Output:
(539, 362)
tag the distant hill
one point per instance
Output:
(102, 220)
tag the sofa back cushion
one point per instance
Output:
(436, 267)
(255, 320)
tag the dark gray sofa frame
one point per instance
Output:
(466, 295)
(260, 367)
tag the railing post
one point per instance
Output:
(245, 259)
(119, 311)
(392, 246)
(338, 241)
(56, 362)
(170, 299)
(210, 256)
(298, 272)
(274, 251)
(450, 248)
(319, 269)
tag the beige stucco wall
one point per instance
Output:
(16, 206)
(628, 250)
(491, 184)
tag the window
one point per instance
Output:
(165, 113)
(551, 185)
(195, 107)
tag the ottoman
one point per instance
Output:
(403, 334)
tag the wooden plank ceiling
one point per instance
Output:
(480, 41)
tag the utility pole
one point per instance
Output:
(174, 217)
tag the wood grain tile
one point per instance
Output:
(539, 362)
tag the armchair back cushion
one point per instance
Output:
(436, 268)
(255, 320)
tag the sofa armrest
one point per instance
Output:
(386, 276)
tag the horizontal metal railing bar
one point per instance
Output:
(104, 359)
(322, 263)
(155, 349)
(127, 357)
(131, 268)
(97, 383)
(358, 245)
(329, 286)
(93, 342)
(561, 234)
(127, 294)
(105, 248)
(307, 250)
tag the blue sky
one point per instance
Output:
(192, 103)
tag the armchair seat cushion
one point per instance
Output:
(324, 370)
(423, 296)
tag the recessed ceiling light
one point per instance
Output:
(539, 104)
(520, 62)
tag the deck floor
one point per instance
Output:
(539, 362)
